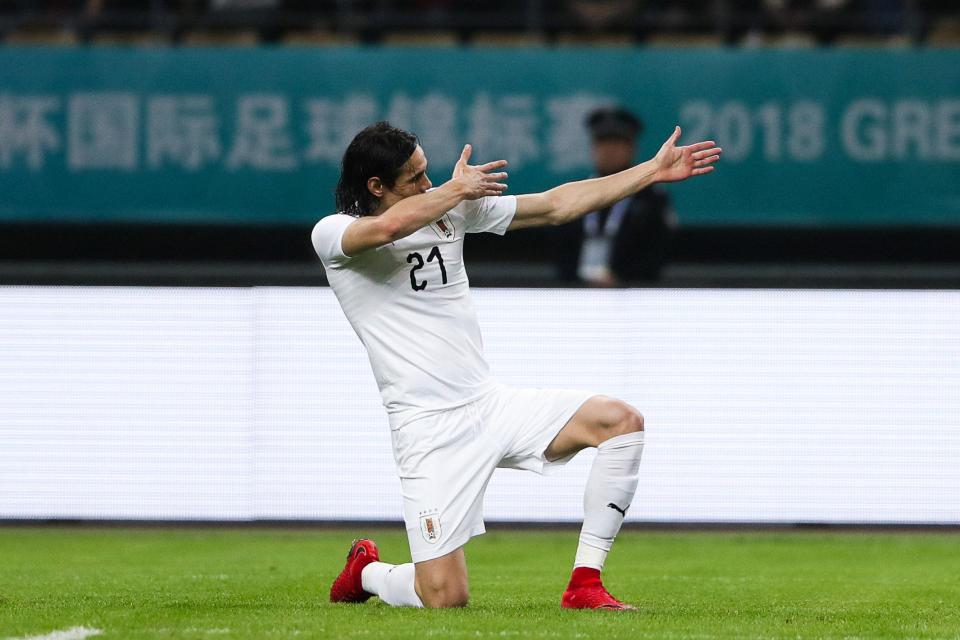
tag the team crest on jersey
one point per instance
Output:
(443, 228)
(430, 526)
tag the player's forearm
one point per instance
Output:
(571, 200)
(413, 213)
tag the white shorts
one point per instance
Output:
(446, 459)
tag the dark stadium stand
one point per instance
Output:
(788, 22)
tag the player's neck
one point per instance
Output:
(382, 207)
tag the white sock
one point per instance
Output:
(612, 483)
(392, 583)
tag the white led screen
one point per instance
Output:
(761, 405)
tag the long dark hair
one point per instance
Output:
(379, 151)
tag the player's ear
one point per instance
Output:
(375, 186)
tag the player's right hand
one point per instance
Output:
(477, 181)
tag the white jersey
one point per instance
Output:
(409, 303)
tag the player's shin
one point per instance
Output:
(610, 489)
(392, 583)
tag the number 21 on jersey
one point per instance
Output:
(417, 261)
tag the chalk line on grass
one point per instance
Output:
(73, 633)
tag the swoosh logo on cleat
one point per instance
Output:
(616, 508)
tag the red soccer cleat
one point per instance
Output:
(348, 587)
(586, 591)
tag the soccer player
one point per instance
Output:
(394, 258)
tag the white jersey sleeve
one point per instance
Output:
(490, 214)
(326, 238)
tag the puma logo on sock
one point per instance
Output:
(616, 508)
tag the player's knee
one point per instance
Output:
(445, 596)
(451, 598)
(623, 419)
(442, 592)
(632, 421)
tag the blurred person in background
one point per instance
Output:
(629, 241)
(600, 15)
(828, 21)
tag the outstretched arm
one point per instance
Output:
(571, 200)
(412, 213)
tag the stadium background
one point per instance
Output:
(181, 397)
(798, 361)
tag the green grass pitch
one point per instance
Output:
(272, 583)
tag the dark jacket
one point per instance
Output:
(641, 245)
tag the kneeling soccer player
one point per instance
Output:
(394, 258)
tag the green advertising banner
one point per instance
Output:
(830, 137)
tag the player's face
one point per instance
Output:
(412, 180)
(611, 155)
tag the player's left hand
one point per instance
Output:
(679, 163)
